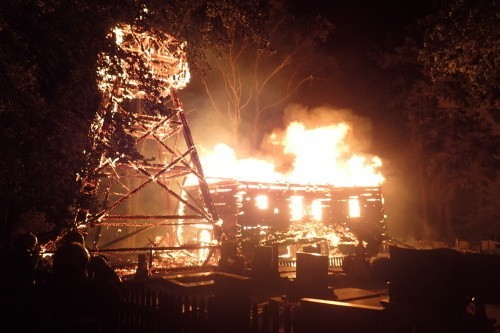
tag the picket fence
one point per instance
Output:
(149, 311)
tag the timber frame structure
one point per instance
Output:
(148, 156)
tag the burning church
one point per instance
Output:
(341, 209)
(340, 217)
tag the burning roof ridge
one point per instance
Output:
(218, 181)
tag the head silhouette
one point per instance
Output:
(26, 241)
(72, 236)
(70, 261)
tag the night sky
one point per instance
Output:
(361, 26)
(361, 23)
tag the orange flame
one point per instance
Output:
(319, 156)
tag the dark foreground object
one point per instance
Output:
(441, 290)
(429, 291)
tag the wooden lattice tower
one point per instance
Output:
(142, 197)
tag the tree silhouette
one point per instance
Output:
(449, 95)
(252, 77)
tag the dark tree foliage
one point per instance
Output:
(48, 54)
(49, 51)
(460, 58)
(444, 80)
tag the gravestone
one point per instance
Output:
(312, 276)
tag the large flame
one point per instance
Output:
(318, 155)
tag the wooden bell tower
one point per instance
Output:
(146, 154)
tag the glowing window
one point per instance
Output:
(204, 237)
(354, 209)
(261, 201)
(317, 210)
(296, 208)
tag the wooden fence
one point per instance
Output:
(333, 262)
(146, 311)
(150, 311)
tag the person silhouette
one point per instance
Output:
(72, 235)
(18, 301)
(109, 287)
(70, 295)
(105, 278)
(20, 263)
